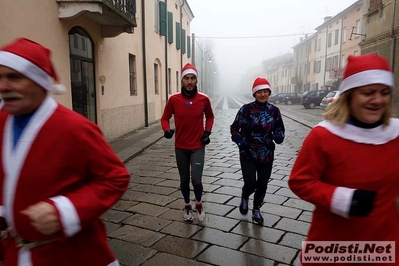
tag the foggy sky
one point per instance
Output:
(241, 34)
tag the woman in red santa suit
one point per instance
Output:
(345, 166)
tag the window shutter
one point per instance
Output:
(188, 46)
(170, 27)
(162, 18)
(178, 38)
(183, 41)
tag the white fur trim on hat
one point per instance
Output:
(374, 76)
(189, 71)
(261, 87)
(26, 68)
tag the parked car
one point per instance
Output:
(330, 97)
(276, 98)
(292, 97)
(313, 98)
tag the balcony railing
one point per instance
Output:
(128, 7)
(114, 16)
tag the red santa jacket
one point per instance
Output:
(332, 163)
(61, 158)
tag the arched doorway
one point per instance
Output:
(82, 74)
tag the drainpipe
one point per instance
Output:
(166, 55)
(393, 43)
(144, 63)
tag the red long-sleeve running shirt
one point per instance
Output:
(189, 114)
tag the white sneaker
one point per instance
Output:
(188, 214)
(200, 211)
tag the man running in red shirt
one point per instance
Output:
(189, 108)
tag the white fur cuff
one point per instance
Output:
(341, 201)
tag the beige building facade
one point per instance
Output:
(381, 30)
(120, 60)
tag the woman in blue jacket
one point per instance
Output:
(256, 127)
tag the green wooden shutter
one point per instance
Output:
(163, 18)
(170, 27)
(188, 46)
(178, 37)
(183, 41)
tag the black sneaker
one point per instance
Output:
(257, 217)
(244, 206)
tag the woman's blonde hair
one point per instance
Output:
(339, 111)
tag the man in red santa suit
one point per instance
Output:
(189, 109)
(345, 166)
(58, 174)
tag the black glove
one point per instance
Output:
(205, 137)
(362, 202)
(169, 133)
(277, 138)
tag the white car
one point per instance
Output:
(328, 99)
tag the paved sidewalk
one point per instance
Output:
(132, 144)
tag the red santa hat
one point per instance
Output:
(260, 84)
(189, 69)
(33, 61)
(364, 70)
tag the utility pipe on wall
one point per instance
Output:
(144, 63)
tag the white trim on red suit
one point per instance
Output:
(68, 215)
(13, 159)
(376, 136)
(341, 201)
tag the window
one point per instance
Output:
(178, 36)
(75, 41)
(170, 27)
(156, 78)
(358, 28)
(156, 16)
(188, 46)
(132, 75)
(344, 35)
(329, 39)
(356, 52)
(319, 44)
(336, 61)
(336, 36)
(163, 16)
(328, 64)
(183, 41)
(343, 63)
(315, 44)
